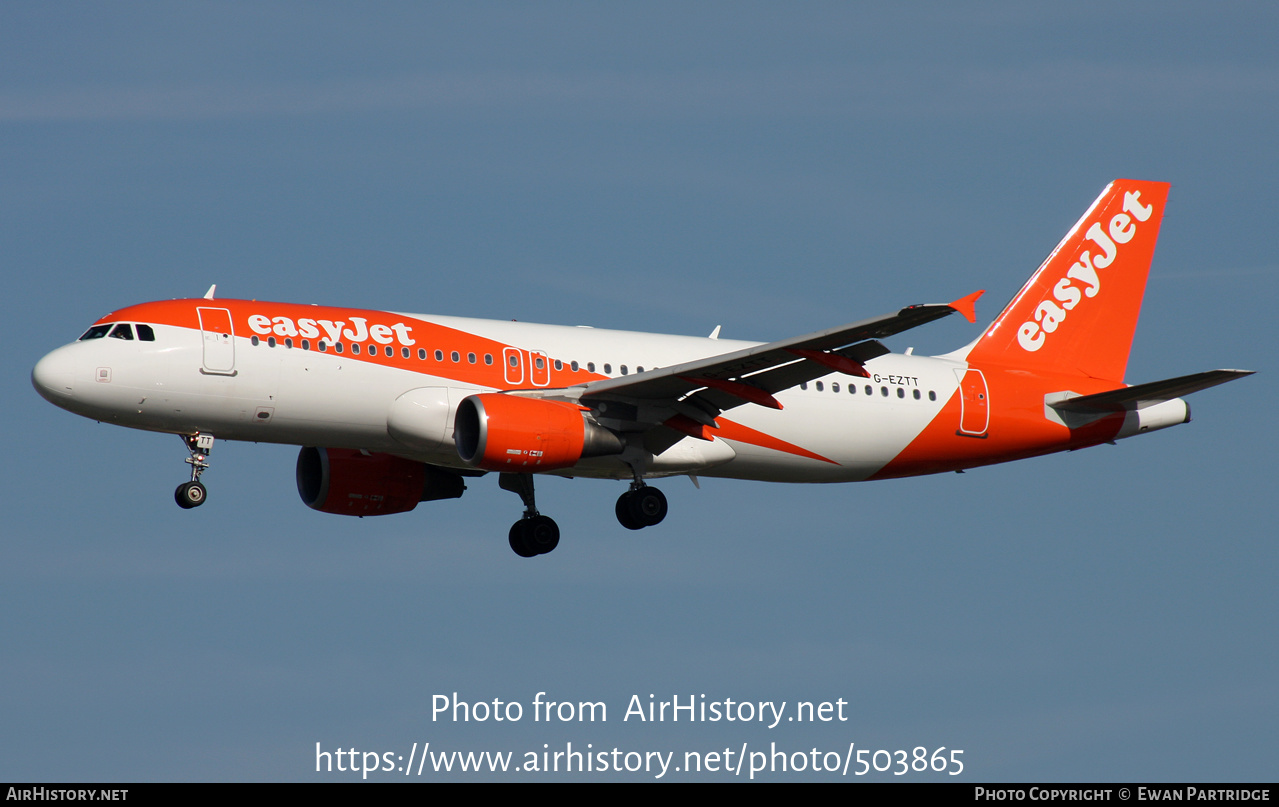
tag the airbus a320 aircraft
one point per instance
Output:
(394, 409)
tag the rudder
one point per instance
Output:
(1078, 312)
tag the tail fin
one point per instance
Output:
(1078, 312)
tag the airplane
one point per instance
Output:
(392, 409)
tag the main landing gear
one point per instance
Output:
(641, 506)
(192, 494)
(534, 534)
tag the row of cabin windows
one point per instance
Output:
(869, 390)
(122, 330)
(145, 333)
(608, 368)
(356, 349)
(538, 361)
(575, 366)
(471, 358)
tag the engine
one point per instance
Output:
(499, 432)
(357, 483)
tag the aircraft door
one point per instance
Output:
(218, 335)
(540, 371)
(974, 404)
(513, 363)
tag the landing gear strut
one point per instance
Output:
(534, 534)
(192, 494)
(641, 506)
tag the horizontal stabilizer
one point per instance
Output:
(1149, 394)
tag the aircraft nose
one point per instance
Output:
(54, 376)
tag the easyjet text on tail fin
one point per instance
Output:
(1078, 312)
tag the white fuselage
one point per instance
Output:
(273, 393)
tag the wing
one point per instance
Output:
(686, 398)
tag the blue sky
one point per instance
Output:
(1104, 615)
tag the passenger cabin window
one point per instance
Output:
(96, 332)
(122, 331)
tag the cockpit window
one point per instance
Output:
(96, 332)
(122, 331)
(145, 333)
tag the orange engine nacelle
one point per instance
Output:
(349, 482)
(499, 432)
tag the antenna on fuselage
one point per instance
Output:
(715, 333)
(208, 295)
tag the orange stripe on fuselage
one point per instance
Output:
(1018, 426)
(414, 334)
(730, 430)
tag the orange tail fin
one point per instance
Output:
(1078, 312)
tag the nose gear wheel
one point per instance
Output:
(190, 494)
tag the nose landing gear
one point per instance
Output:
(192, 494)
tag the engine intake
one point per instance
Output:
(499, 432)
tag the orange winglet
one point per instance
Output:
(834, 361)
(737, 389)
(968, 305)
